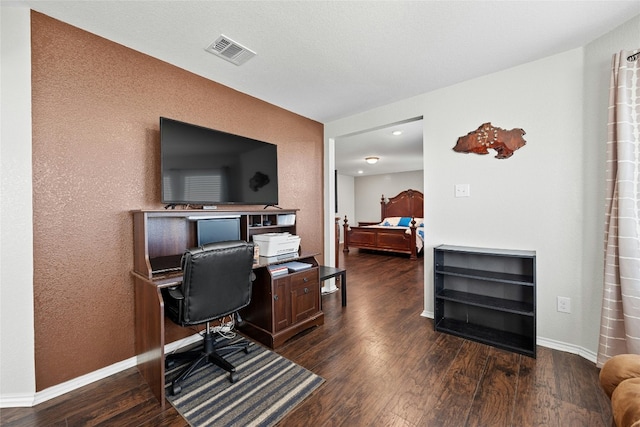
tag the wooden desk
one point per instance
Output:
(280, 308)
(150, 331)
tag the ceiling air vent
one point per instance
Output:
(227, 49)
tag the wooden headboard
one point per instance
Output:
(407, 203)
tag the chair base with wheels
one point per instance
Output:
(216, 282)
(210, 351)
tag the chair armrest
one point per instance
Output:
(176, 293)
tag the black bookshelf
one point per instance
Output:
(486, 295)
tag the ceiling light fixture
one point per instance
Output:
(396, 132)
(372, 160)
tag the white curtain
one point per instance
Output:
(620, 320)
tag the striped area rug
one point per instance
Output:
(269, 386)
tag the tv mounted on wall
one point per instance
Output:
(202, 166)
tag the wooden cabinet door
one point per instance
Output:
(305, 295)
(281, 318)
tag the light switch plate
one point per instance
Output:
(462, 190)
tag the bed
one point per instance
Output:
(400, 230)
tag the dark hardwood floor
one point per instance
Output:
(384, 366)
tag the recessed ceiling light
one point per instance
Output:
(396, 132)
(372, 160)
(360, 172)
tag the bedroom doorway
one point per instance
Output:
(398, 151)
(347, 193)
(356, 195)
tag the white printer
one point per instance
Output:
(272, 244)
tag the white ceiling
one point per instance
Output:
(330, 59)
(397, 153)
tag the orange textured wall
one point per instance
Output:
(96, 156)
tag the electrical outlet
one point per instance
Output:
(564, 305)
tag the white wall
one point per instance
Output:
(17, 358)
(346, 200)
(547, 197)
(370, 189)
(532, 200)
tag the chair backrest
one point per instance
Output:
(217, 280)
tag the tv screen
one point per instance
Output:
(209, 167)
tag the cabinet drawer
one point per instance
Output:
(305, 295)
(305, 278)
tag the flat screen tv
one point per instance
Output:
(202, 166)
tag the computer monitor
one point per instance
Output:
(218, 230)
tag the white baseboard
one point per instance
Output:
(428, 314)
(568, 348)
(22, 400)
(17, 400)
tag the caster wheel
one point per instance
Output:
(248, 348)
(233, 377)
(175, 389)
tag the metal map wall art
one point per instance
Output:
(505, 142)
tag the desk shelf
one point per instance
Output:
(259, 223)
(161, 236)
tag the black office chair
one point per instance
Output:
(217, 281)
